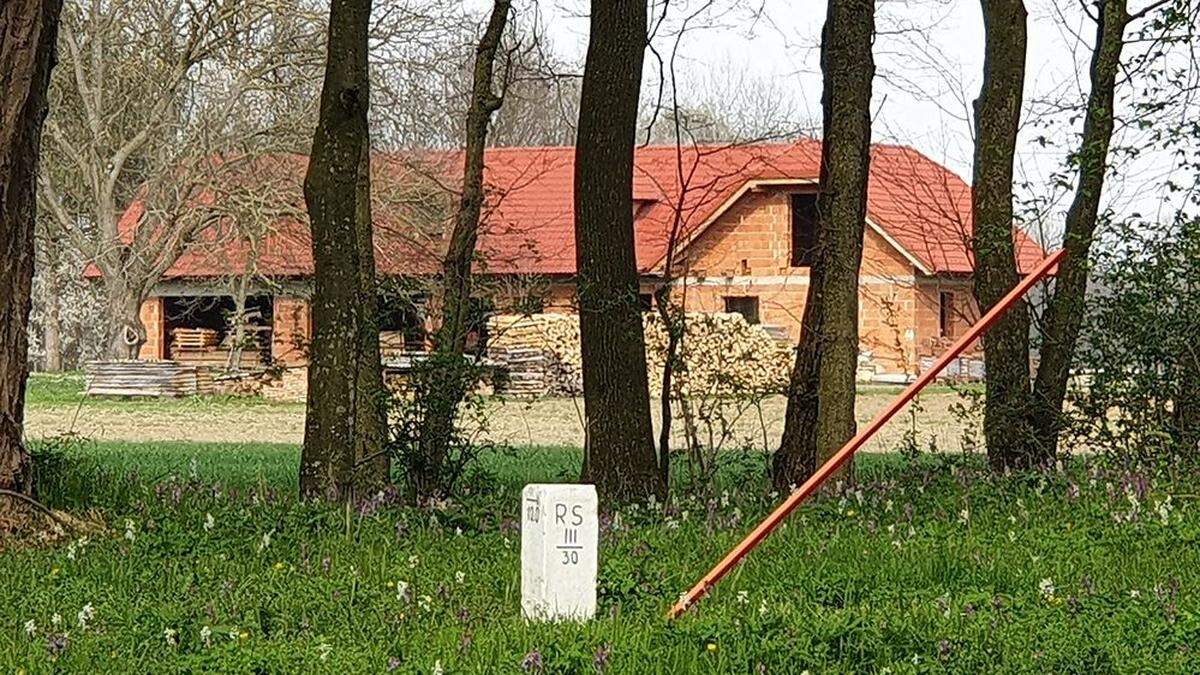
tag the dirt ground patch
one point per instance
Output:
(549, 422)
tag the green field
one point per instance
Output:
(925, 566)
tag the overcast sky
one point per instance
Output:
(929, 58)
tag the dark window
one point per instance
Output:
(645, 301)
(804, 229)
(746, 305)
(946, 314)
(402, 317)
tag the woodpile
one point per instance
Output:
(203, 347)
(539, 352)
(146, 378)
(722, 355)
(292, 386)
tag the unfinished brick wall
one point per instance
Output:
(291, 330)
(747, 252)
(151, 315)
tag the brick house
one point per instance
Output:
(741, 219)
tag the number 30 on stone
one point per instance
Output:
(559, 535)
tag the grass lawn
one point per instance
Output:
(925, 566)
(56, 406)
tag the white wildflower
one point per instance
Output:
(413, 561)
(762, 607)
(743, 597)
(206, 635)
(129, 534)
(424, 602)
(30, 628)
(265, 543)
(725, 499)
(209, 522)
(85, 615)
(1164, 510)
(1135, 593)
(458, 531)
(437, 668)
(171, 637)
(964, 516)
(402, 591)
(460, 577)
(1012, 536)
(56, 620)
(71, 551)
(672, 524)
(323, 651)
(1046, 587)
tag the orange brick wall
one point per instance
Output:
(151, 314)
(291, 330)
(965, 313)
(748, 252)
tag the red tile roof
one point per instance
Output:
(920, 206)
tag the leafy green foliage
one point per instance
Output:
(923, 566)
(1140, 394)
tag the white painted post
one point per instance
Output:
(559, 536)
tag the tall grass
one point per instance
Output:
(925, 566)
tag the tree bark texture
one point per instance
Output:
(344, 427)
(1009, 436)
(1064, 312)
(28, 34)
(28, 30)
(619, 445)
(451, 377)
(821, 392)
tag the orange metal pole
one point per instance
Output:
(831, 465)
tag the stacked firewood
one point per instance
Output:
(722, 355)
(540, 353)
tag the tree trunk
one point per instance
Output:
(443, 388)
(28, 29)
(1006, 427)
(619, 447)
(52, 334)
(821, 392)
(126, 332)
(1186, 402)
(1064, 312)
(344, 428)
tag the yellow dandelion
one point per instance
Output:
(278, 566)
(244, 635)
(711, 647)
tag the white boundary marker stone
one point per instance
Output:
(559, 537)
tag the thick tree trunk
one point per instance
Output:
(1064, 312)
(126, 332)
(1009, 436)
(344, 427)
(620, 455)
(443, 388)
(821, 392)
(28, 29)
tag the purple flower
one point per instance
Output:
(532, 663)
(600, 660)
(56, 644)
